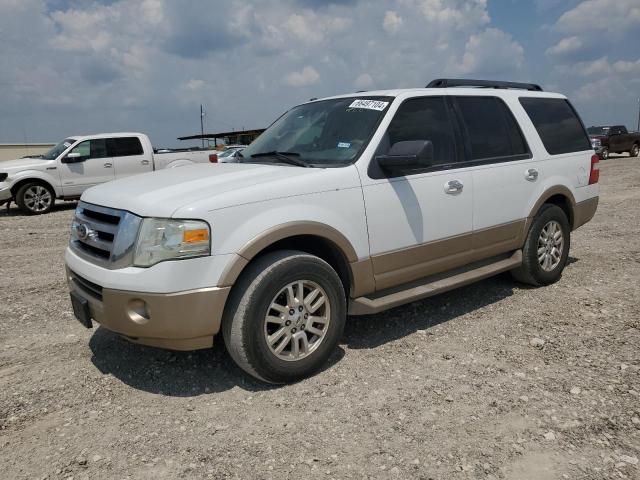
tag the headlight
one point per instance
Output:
(166, 239)
(595, 143)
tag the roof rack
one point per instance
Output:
(460, 82)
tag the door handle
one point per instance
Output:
(108, 165)
(145, 162)
(453, 187)
(531, 174)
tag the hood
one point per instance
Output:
(25, 164)
(195, 189)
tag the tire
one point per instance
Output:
(533, 270)
(604, 153)
(635, 150)
(35, 198)
(248, 320)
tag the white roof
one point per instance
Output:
(495, 92)
(106, 135)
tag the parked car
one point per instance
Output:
(351, 204)
(614, 139)
(230, 155)
(80, 162)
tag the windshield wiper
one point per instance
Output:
(284, 157)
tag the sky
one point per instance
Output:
(85, 66)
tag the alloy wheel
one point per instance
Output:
(297, 320)
(37, 198)
(550, 246)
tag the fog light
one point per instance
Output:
(138, 311)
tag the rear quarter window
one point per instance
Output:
(557, 123)
(125, 146)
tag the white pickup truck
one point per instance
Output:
(80, 162)
(350, 204)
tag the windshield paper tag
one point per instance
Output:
(344, 144)
(369, 104)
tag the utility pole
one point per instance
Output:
(202, 124)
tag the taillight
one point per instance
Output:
(213, 158)
(594, 176)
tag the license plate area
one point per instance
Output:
(81, 309)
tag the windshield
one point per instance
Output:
(58, 149)
(324, 133)
(598, 130)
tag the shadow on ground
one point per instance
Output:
(186, 374)
(14, 211)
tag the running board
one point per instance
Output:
(434, 286)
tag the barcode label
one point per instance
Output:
(369, 104)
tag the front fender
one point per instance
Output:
(50, 179)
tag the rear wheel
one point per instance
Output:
(285, 316)
(635, 150)
(546, 249)
(35, 198)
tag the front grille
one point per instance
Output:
(105, 236)
(91, 288)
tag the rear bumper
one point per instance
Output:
(584, 211)
(177, 321)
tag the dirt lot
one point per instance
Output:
(490, 381)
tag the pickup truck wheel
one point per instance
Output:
(546, 249)
(35, 198)
(635, 150)
(604, 153)
(285, 316)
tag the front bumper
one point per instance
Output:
(5, 193)
(178, 321)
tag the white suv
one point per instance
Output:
(346, 205)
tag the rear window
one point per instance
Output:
(125, 146)
(558, 125)
(491, 128)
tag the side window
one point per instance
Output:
(83, 148)
(491, 129)
(557, 123)
(125, 146)
(424, 118)
(92, 148)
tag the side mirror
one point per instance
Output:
(408, 154)
(73, 157)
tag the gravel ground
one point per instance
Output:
(494, 380)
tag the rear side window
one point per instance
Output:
(557, 123)
(424, 118)
(125, 146)
(491, 129)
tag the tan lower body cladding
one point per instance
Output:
(403, 266)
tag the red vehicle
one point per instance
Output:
(614, 139)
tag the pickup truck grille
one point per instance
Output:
(105, 236)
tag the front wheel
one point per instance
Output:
(604, 153)
(635, 150)
(35, 198)
(285, 316)
(546, 248)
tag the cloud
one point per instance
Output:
(392, 22)
(492, 52)
(194, 84)
(307, 76)
(613, 16)
(363, 81)
(566, 46)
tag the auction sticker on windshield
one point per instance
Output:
(369, 104)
